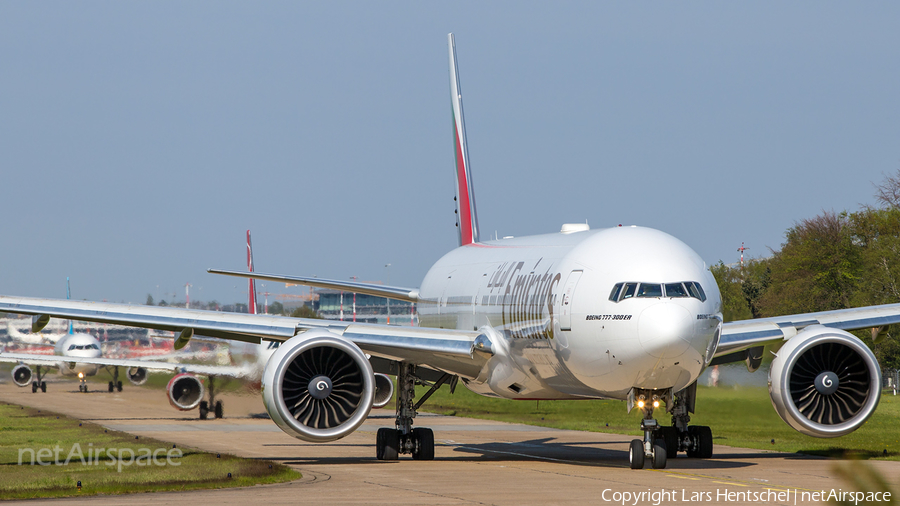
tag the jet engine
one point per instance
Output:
(824, 382)
(21, 375)
(318, 386)
(137, 375)
(185, 391)
(384, 390)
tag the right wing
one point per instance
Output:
(444, 349)
(389, 292)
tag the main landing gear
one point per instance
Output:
(115, 384)
(663, 443)
(218, 409)
(419, 442)
(39, 383)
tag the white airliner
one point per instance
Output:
(625, 313)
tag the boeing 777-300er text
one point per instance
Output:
(625, 313)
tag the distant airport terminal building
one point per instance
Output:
(369, 309)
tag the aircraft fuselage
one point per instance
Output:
(546, 303)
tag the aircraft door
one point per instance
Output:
(565, 304)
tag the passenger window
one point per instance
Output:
(614, 295)
(676, 290)
(630, 288)
(696, 290)
(650, 290)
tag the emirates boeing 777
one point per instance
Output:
(626, 313)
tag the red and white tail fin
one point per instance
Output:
(467, 217)
(251, 304)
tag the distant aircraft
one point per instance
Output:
(79, 354)
(626, 313)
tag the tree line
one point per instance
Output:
(832, 261)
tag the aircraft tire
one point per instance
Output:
(670, 436)
(387, 444)
(659, 455)
(34, 386)
(44, 387)
(111, 388)
(636, 454)
(380, 437)
(204, 410)
(701, 439)
(119, 386)
(220, 410)
(706, 441)
(425, 439)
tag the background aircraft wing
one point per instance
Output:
(389, 292)
(445, 349)
(54, 360)
(742, 335)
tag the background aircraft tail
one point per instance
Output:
(251, 304)
(69, 296)
(466, 215)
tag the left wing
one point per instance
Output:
(54, 360)
(741, 335)
(445, 349)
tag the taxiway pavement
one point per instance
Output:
(476, 462)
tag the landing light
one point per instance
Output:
(640, 404)
(81, 375)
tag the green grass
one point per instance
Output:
(28, 428)
(741, 417)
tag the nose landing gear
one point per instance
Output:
(663, 443)
(652, 447)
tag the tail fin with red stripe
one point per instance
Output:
(251, 305)
(466, 217)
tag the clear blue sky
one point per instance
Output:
(139, 140)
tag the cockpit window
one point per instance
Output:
(614, 294)
(650, 290)
(71, 347)
(676, 290)
(628, 293)
(622, 291)
(696, 290)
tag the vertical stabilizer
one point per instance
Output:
(251, 304)
(466, 217)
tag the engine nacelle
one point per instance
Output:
(318, 386)
(137, 375)
(21, 375)
(384, 390)
(185, 391)
(824, 382)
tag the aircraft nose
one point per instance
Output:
(665, 330)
